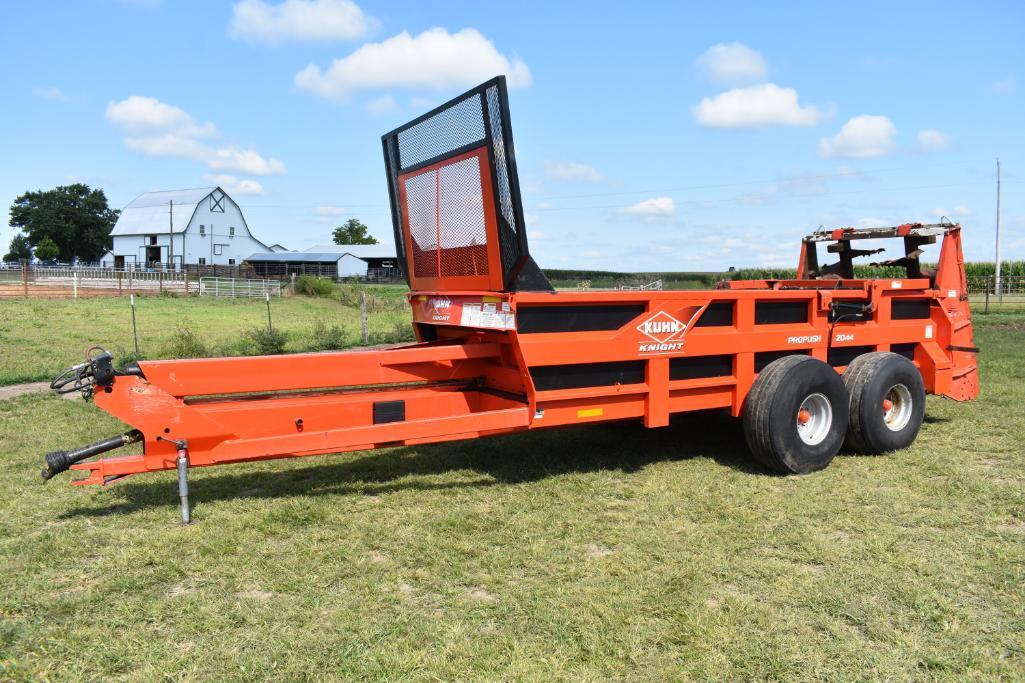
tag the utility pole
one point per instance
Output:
(170, 234)
(1000, 291)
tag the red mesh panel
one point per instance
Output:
(445, 214)
(422, 209)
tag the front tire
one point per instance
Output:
(796, 414)
(887, 403)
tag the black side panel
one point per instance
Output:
(531, 319)
(780, 312)
(551, 377)
(765, 357)
(843, 355)
(531, 278)
(909, 309)
(699, 367)
(906, 350)
(718, 314)
(389, 411)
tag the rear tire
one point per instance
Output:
(795, 416)
(887, 403)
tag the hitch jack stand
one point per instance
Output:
(183, 482)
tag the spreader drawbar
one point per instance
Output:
(807, 363)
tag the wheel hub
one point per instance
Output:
(814, 419)
(897, 407)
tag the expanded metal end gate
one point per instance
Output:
(498, 351)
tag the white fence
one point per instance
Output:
(99, 278)
(237, 288)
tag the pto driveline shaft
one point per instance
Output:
(58, 461)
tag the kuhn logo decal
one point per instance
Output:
(664, 334)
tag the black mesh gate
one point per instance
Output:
(451, 172)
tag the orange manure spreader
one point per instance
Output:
(807, 363)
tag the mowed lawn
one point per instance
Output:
(581, 554)
(39, 338)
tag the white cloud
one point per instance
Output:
(381, 105)
(656, 207)
(932, 140)
(298, 20)
(537, 235)
(572, 172)
(433, 60)
(861, 137)
(757, 105)
(148, 115)
(874, 223)
(233, 185)
(159, 129)
(1004, 86)
(959, 210)
(594, 253)
(329, 210)
(52, 93)
(733, 64)
(244, 161)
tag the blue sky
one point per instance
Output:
(654, 136)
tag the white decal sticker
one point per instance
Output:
(842, 337)
(952, 293)
(806, 339)
(896, 284)
(928, 331)
(664, 334)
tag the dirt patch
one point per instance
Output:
(479, 594)
(16, 390)
(595, 551)
(256, 594)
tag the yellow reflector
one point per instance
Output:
(492, 299)
(591, 412)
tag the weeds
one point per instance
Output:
(314, 286)
(184, 343)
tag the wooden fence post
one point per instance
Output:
(363, 315)
(24, 275)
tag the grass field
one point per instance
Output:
(39, 338)
(583, 554)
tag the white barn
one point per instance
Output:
(201, 226)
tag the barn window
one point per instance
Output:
(217, 249)
(231, 231)
(202, 261)
(231, 262)
(152, 239)
(202, 230)
(217, 202)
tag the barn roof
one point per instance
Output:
(293, 257)
(149, 212)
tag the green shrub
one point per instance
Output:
(123, 357)
(314, 286)
(184, 343)
(261, 341)
(323, 337)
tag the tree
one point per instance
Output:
(47, 250)
(20, 249)
(74, 217)
(353, 232)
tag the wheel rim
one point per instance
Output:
(897, 407)
(814, 418)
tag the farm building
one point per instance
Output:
(371, 261)
(283, 263)
(202, 226)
